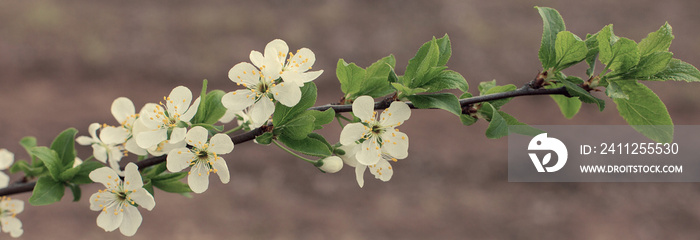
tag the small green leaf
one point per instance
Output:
(419, 67)
(467, 120)
(592, 45)
(27, 169)
(406, 91)
(569, 49)
(485, 86)
(552, 25)
(75, 189)
(68, 174)
(499, 89)
(321, 118)
(50, 159)
(28, 143)
(83, 176)
(625, 55)
(447, 80)
(308, 146)
(583, 95)
(445, 48)
(445, 101)
(658, 41)
(498, 127)
(283, 114)
(677, 70)
(569, 106)
(613, 90)
(264, 139)
(651, 64)
(297, 128)
(64, 145)
(645, 112)
(376, 82)
(606, 38)
(524, 129)
(350, 76)
(213, 108)
(171, 186)
(169, 176)
(46, 191)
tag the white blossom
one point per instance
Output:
(107, 148)
(6, 160)
(9, 223)
(167, 121)
(203, 157)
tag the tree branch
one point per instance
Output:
(526, 90)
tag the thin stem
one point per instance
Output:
(293, 153)
(250, 135)
(234, 129)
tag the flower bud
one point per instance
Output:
(331, 164)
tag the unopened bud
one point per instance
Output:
(331, 164)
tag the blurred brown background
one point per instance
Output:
(62, 63)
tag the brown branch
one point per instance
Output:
(526, 90)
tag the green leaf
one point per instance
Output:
(467, 120)
(658, 41)
(75, 189)
(28, 143)
(171, 186)
(46, 191)
(213, 108)
(297, 128)
(308, 146)
(445, 48)
(569, 49)
(498, 127)
(445, 101)
(68, 174)
(677, 70)
(64, 145)
(405, 91)
(155, 170)
(524, 129)
(350, 76)
(569, 106)
(613, 90)
(625, 55)
(169, 176)
(283, 114)
(645, 112)
(651, 64)
(320, 138)
(552, 25)
(321, 118)
(421, 64)
(592, 45)
(447, 80)
(606, 38)
(27, 169)
(485, 86)
(83, 176)
(50, 159)
(583, 95)
(264, 139)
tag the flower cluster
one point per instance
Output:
(374, 142)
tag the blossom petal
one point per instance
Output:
(4, 180)
(220, 144)
(245, 74)
(84, 140)
(165, 147)
(198, 178)
(277, 49)
(305, 58)
(178, 134)
(149, 116)
(238, 100)
(143, 199)
(310, 75)
(93, 130)
(6, 158)
(219, 164)
(350, 151)
(106, 176)
(12, 225)
(261, 111)
(187, 116)
(122, 108)
(395, 114)
(178, 159)
(257, 58)
(134, 148)
(99, 199)
(360, 174)
(132, 177)
(100, 152)
(369, 152)
(109, 221)
(352, 132)
(179, 100)
(114, 135)
(363, 108)
(197, 136)
(132, 221)
(151, 138)
(17, 206)
(287, 94)
(382, 170)
(395, 144)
